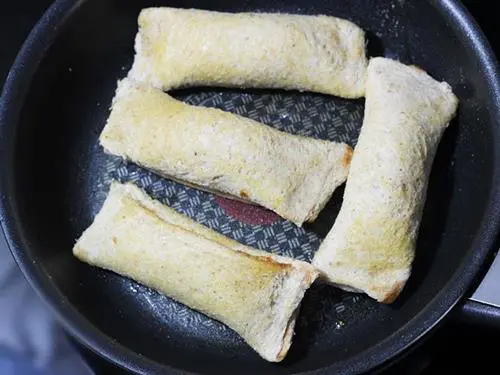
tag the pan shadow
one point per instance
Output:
(374, 45)
(435, 214)
(180, 93)
(324, 222)
(317, 309)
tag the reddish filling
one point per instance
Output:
(247, 213)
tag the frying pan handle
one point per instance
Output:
(483, 307)
(482, 314)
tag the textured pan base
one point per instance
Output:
(305, 114)
(310, 115)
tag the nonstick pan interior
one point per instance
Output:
(60, 177)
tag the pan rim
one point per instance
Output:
(15, 89)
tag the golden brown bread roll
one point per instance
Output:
(191, 47)
(255, 293)
(372, 243)
(221, 152)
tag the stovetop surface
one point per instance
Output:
(456, 345)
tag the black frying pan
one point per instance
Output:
(54, 178)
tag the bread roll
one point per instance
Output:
(217, 151)
(253, 292)
(371, 246)
(189, 47)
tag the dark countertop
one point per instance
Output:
(456, 345)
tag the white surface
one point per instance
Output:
(29, 336)
(489, 290)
